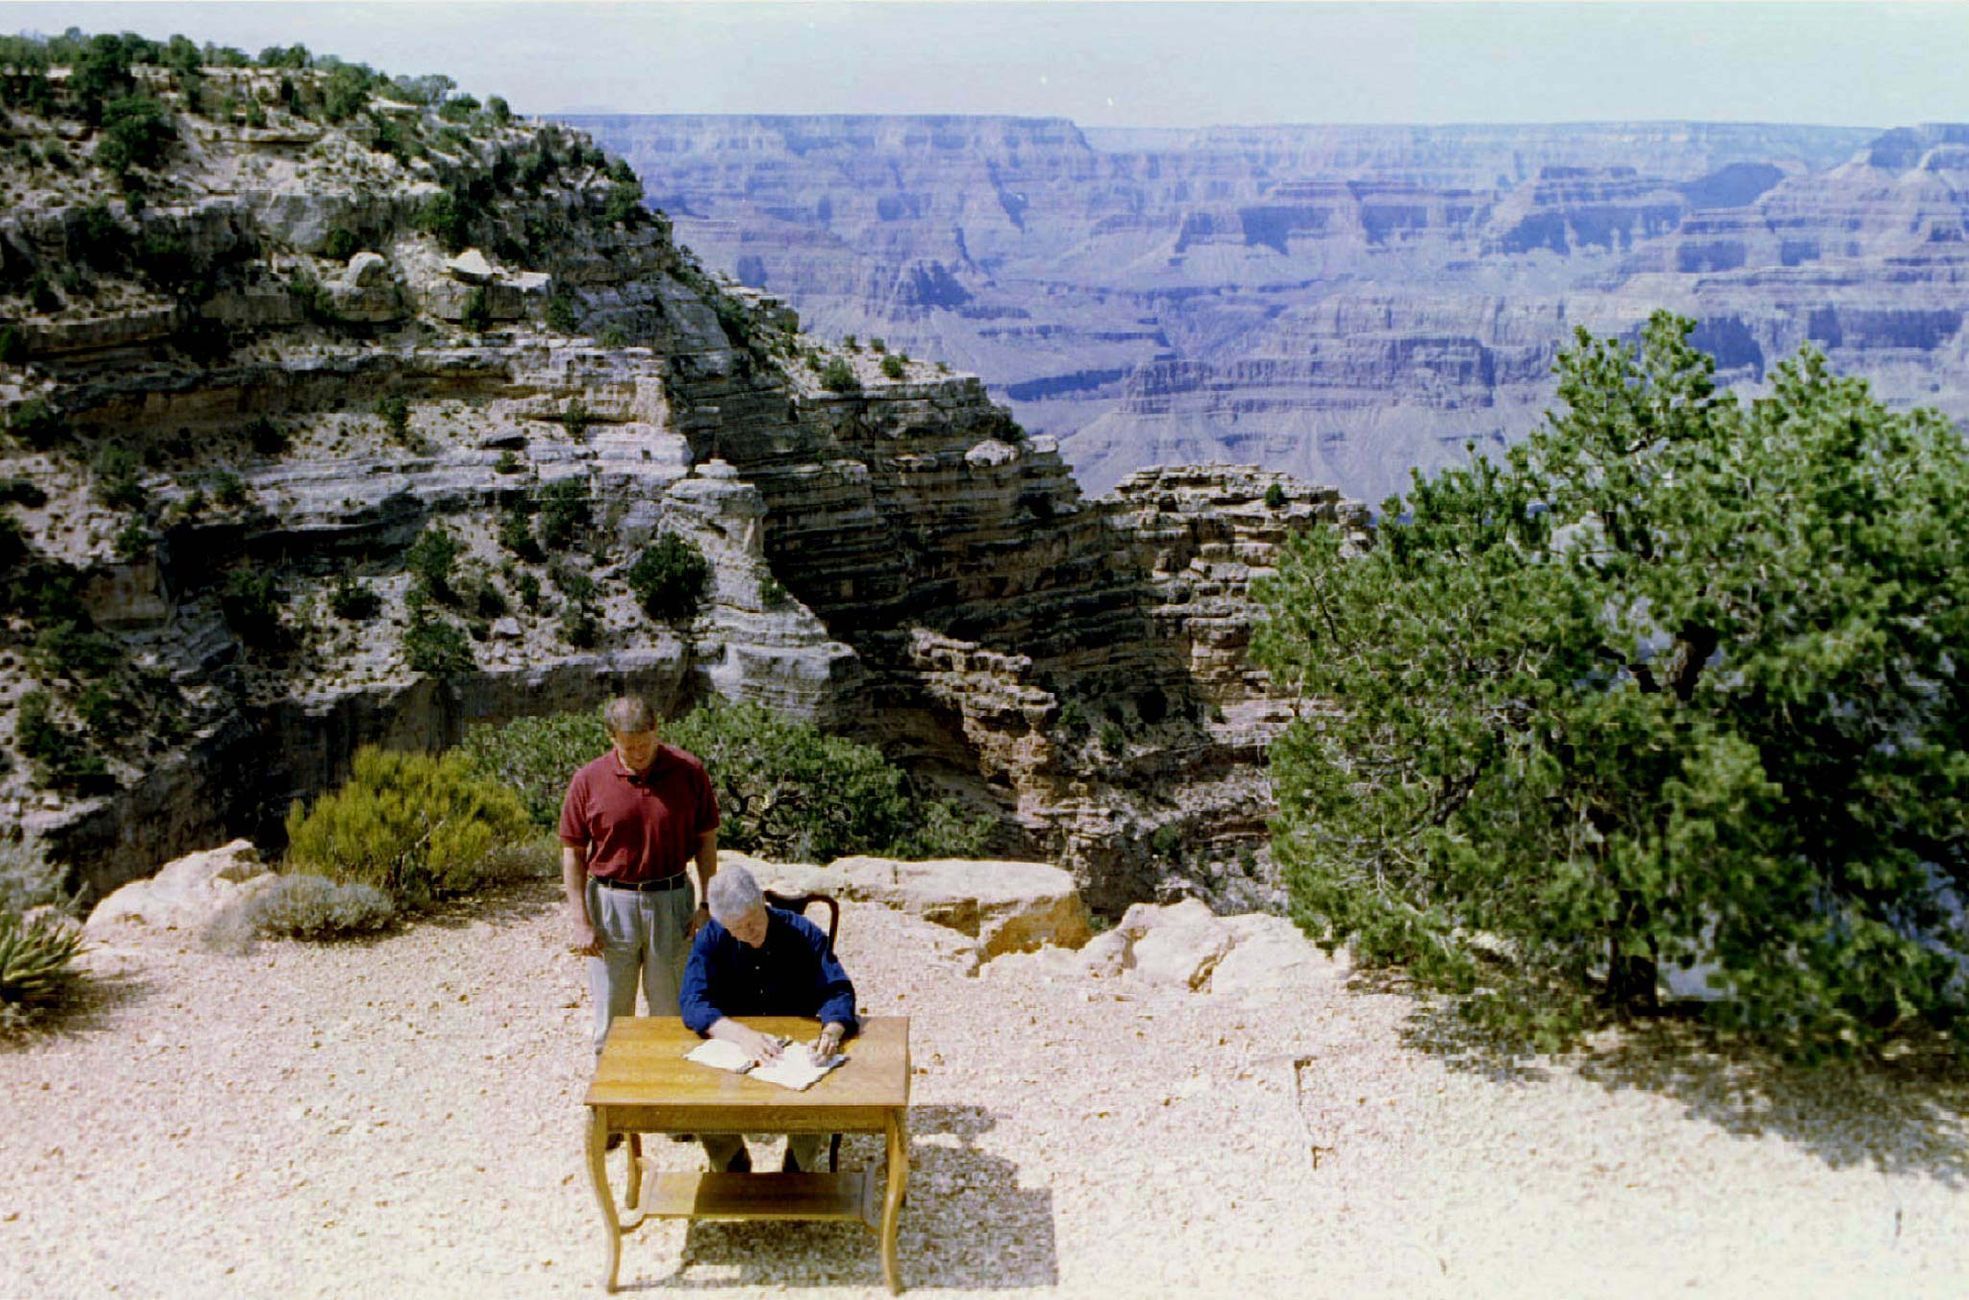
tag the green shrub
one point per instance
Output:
(134, 540)
(1275, 496)
(1114, 741)
(528, 587)
(13, 346)
(851, 343)
(136, 132)
(432, 559)
(412, 826)
(624, 204)
(57, 755)
(509, 462)
(266, 437)
(536, 757)
(788, 791)
(67, 648)
(228, 489)
(892, 367)
(613, 336)
(353, 600)
(460, 108)
(671, 578)
(446, 220)
(394, 411)
(576, 418)
(837, 376)
(437, 647)
(477, 316)
(299, 905)
(37, 965)
(37, 423)
(878, 346)
(563, 513)
(100, 240)
(1593, 711)
(773, 593)
(250, 602)
(341, 244)
(22, 491)
(561, 317)
(501, 111)
(516, 534)
(119, 478)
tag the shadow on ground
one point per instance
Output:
(967, 1225)
(90, 1008)
(1905, 1115)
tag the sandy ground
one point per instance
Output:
(402, 1118)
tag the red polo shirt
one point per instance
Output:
(639, 828)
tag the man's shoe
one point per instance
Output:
(740, 1163)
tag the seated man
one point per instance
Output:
(754, 960)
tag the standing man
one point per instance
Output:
(631, 822)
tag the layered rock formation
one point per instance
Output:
(247, 411)
(1343, 303)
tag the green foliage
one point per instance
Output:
(98, 72)
(561, 316)
(437, 647)
(352, 599)
(119, 478)
(837, 376)
(99, 240)
(879, 347)
(892, 367)
(501, 111)
(37, 965)
(624, 204)
(228, 489)
(671, 578)
(341, 244)
(459, 109)
(477, 315)
(267, 437)
(790, 792)
(1680, 682)
(250, 602)
(56, 754)
(576, 418)
(516, 534)
(613, 336)
(134, 540)
(67, 647)
(563, 513)
(509, 462)
(1275, 496)
(300, 905)
(394, 412)
(37, 423)
(447, 220)
(579, 624)
(136, 132)
(773, 593)
(536, 757)
(1114, 741)
(13, 346)
(431, 560)
(411, 826)
(345, 94)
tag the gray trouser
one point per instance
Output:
(642, 940)
(806, 1148)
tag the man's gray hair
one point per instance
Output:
(733, 894)
(628, 715)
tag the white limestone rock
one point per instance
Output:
(1178, 945)
(186, 893)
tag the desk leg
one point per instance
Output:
(598, 1175)
(892, 1201)
(632, 1193)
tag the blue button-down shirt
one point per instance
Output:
(791, 974)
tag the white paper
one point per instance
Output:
(796, 1068)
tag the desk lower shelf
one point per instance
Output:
(851, 1197)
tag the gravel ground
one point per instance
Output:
(402, 1118)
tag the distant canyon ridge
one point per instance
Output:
(1343, 303)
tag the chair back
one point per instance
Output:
(801, 902)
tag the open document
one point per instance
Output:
(796, 1067)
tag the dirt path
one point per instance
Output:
(402, 1118)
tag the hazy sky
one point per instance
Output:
(1121, 64)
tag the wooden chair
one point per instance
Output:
(799, 903)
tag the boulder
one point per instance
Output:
(1179, 945)
(1006, 906)
(367, 270)
(1270, 953)
(185, 894)
(471, 267)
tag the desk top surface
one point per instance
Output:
(642, 1064)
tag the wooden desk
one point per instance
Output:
(643, 1084)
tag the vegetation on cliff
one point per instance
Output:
(1680, 683)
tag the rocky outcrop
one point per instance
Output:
(1339, 303)
(238, 441)
(183, 896)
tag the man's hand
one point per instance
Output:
(586, 942)
(761, 1047)
(829, 1041)
(698, 918)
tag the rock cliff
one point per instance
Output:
(1342, 303)
(325, 433)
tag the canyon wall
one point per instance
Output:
(1343, 303)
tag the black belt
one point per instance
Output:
(677, 881)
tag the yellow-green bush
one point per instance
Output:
(415, 827)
